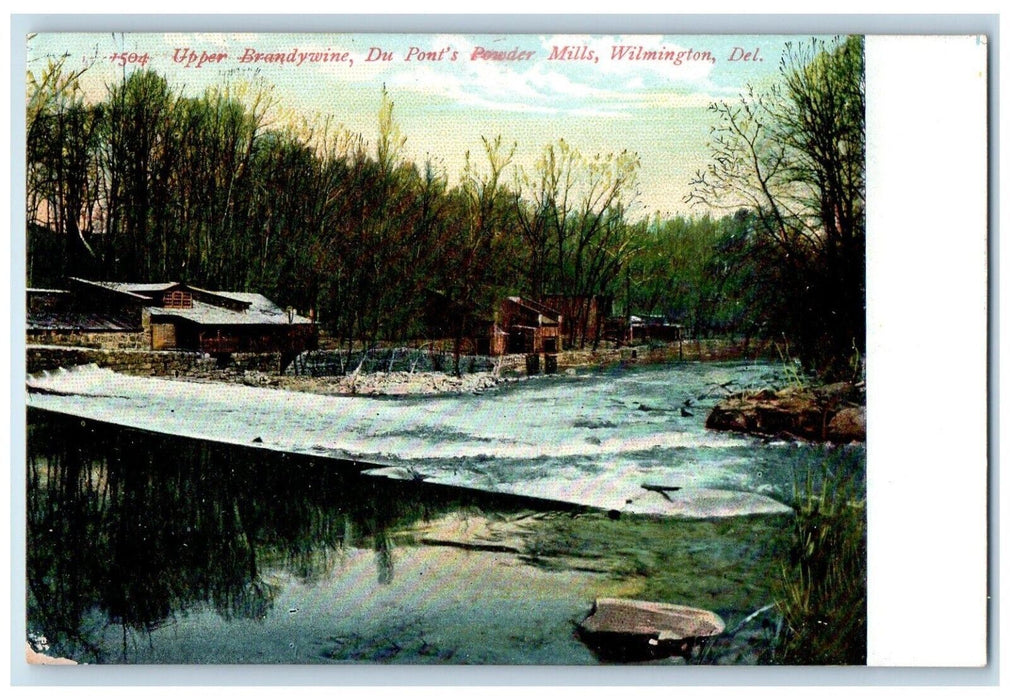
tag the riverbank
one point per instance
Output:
(390, 366)
(373, 383)
(502, 370)
(829, 413)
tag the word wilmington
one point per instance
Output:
(640, 53)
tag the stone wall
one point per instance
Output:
(175, 363)
(150, 362)
(689, 350)
(267, 362)
(143, 362)
(109, 340)
(512, 364)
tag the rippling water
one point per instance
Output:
(591, 439)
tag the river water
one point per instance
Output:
(175, 522)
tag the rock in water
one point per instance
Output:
(804, 413)
(620, 629)
(848, 425)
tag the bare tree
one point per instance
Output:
(795, 155)
(476, 250)
(575, 226)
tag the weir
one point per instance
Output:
(589, 440)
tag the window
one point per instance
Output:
(178, 300)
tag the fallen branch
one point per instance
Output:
(661, 490)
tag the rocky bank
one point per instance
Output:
(374, 383)
(829, 413)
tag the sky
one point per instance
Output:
(451, 90)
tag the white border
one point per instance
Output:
(921, 353)
(926, 355)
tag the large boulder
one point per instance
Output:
(848, 425)
(838, 391)
(728, 417)
(619, 629)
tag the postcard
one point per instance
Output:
(447, 349)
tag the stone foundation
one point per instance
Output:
(110, 340)
(710, 349)
(154, 363)
(177, 363)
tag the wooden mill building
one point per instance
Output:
(518, 325)
(529, 327)
(166, 316)
(584, 316)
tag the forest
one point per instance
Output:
(232, 190)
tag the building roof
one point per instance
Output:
(141, 287)
(261, 311)
(120, 287)
(545, 316)
(232, 309)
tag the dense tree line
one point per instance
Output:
(227, 191)
(795, 156)
(230, 191)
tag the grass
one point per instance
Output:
(821, 588)
(791, 368)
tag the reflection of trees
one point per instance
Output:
(133, 528)
(384, 558)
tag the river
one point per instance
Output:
(175, 522)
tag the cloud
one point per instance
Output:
(209, 40)
(603, 87)
(536, 86)
(684, 64)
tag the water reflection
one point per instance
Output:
(131, 529)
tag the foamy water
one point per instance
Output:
(592, 439)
